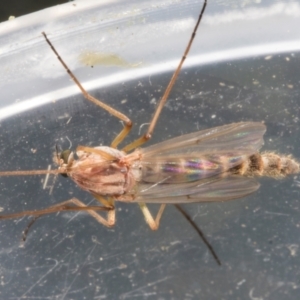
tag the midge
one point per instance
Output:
(216, 164)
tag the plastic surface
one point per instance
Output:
(244, 66)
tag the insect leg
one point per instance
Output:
(111, 212)
(200, 233)
(79, 206)
(153, 224)
(144, 138)
(127, 122)
(109, 202)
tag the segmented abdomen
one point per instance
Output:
(267, 164)
(177, 170)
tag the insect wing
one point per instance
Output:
(246, 137)
(201, 154)
(210, 190)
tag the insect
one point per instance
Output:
(216, 164)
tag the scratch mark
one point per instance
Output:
(141, 126)
(79, 212)
(46, 177)
(131, 293)
(252, 297)
(41, 278)
(69, 121)
(78, 273)
(276, 213)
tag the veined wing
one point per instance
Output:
(210, 190)
(201, 154)
(245, 137)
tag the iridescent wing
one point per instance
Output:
(210, 190)
(202, 154)
(194, 167)
(245, 137)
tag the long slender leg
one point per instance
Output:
(153, 223)
(144, 138)
(108, 202)
(103, 154)
(127, 122)
(63, 206)
(79, 206)
(200, 233)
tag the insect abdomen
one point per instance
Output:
(268, 164)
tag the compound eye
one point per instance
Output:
(64, 155)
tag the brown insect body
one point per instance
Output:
(203, 166)
(97, 175)
(268, 164)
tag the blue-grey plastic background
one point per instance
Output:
(244, 67)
